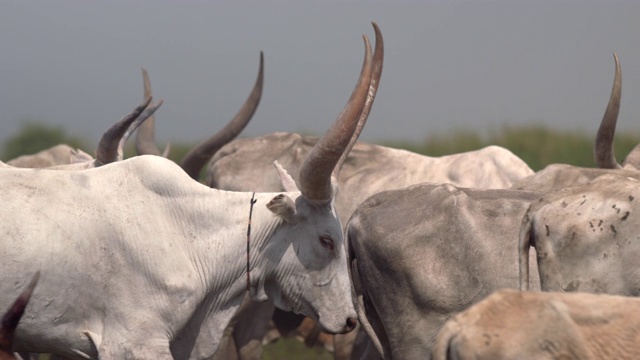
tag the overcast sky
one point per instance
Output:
(474, 65)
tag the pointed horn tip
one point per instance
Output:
(34, 279)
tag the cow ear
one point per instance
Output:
(284, 207)
(78, 156)
(287, 181)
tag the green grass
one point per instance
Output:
(292, 349)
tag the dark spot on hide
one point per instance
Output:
(613, 229)
(487, 339)
(605, 255)
(547, 228)
(631, 198)
(616, 208)
(583, 201)
(625, 216)
(564, 204)
(600, 223)
(547, 346)
(591, 224)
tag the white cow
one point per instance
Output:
(142, 262)
(537, 325)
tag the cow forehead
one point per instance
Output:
(323, 217)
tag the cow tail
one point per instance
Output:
(524, 244)
(358, 294)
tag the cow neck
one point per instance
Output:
(223, 262)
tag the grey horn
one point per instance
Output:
(109, 146)
(603, 149)
(376, 73)
(195, 159)
(323, 162)
(146, 135)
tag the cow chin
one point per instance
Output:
(334, 324)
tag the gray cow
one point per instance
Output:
(585, 237)
(421, 254)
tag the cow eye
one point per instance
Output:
(326, 243)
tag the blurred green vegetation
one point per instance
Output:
(538, 146)
(33, 137)
(292, 349)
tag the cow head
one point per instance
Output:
(310, 274)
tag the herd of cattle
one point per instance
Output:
(137, 259)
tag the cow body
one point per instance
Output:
(585, 237)
(538, 325)
(560, 176)
(369, 168)
(60, 154)
(118, 282)
(421, 254)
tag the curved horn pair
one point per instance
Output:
(603, 148)
(195, 159)
(110, 145)
(328, 155)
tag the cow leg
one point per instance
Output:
(251, 328)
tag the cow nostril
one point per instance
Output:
(351, 324)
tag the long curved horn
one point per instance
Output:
(376, 73)
(603, 148)
(146, 135)
(12, 316)
(107, 151)
(317, 170)
(146, 115)
(195, 159)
